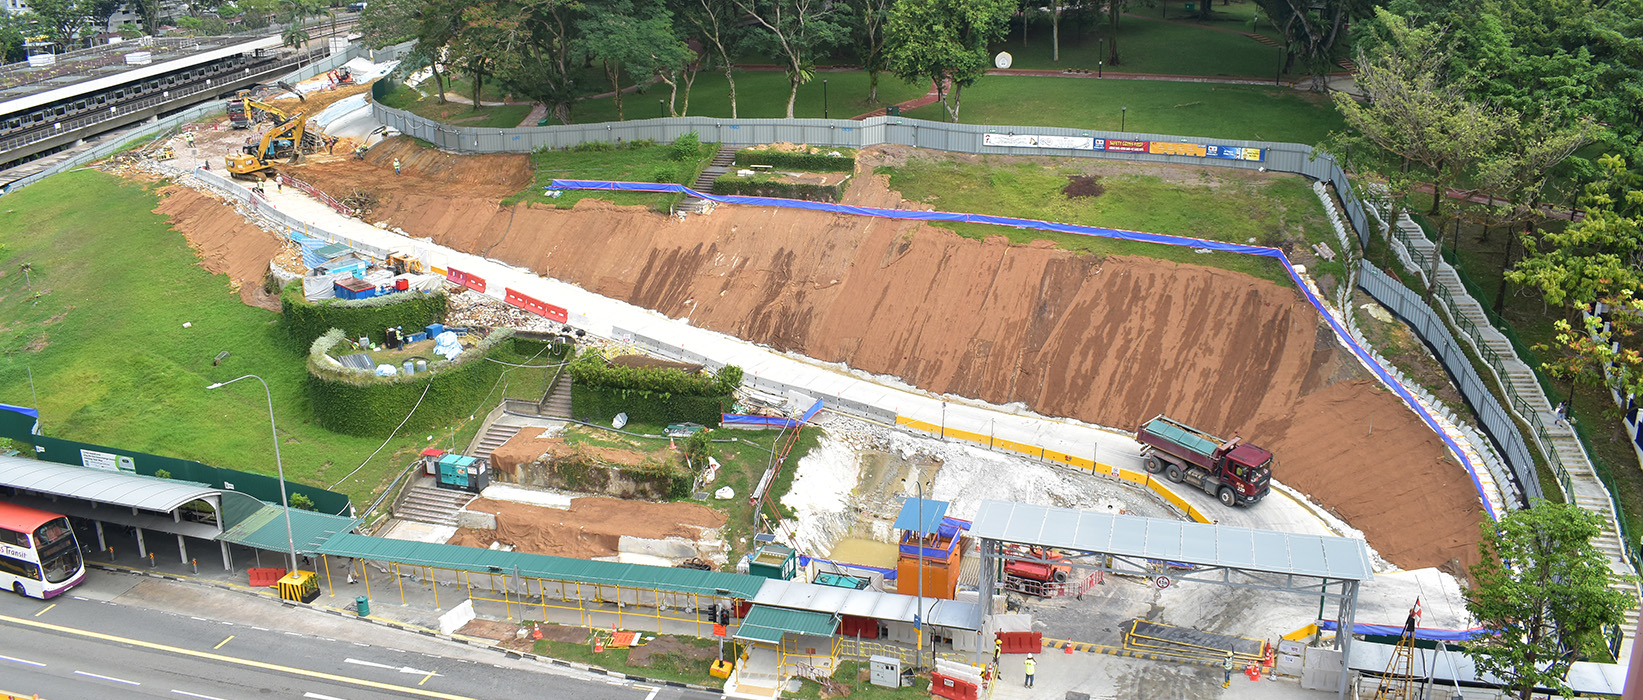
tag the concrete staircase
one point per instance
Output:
(722, 162)
(557, 403)
(429, 504)
(494, 436)
(1556, 440)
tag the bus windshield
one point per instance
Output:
(59, 553)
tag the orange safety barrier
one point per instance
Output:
(537, 306)
(1022, 642)
(459, 277)
(952, 688)
(265, 577)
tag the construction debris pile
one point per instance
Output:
(467, 308)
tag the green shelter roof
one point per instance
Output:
(609, 573)
(265, 529)
(767, 624)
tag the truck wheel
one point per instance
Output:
(1173, 473)
(1154, 464)
(1228, 498)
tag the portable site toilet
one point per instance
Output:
(430, 460)
(463, 473)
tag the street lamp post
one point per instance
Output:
(824, 98)
(278, 465)
(1123, 115)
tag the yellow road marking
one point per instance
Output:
(232, 660)
(48, 607)
(225, 641)
(425, 678)
(19, 696)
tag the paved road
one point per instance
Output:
(77, 647)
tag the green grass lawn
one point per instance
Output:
(455, 113)
(846, 674)
(1180, 109)
(666, 667)
(633, 162)
(1147, 45)
(101, 328)
(759, 95)
(1273, 210)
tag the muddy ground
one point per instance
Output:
(591, 527)
(1109, 340)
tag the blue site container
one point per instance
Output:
(434, 329)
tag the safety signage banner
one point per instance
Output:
(1082, 143)
(1232, 152)
(1176, 149)
(1125, 146)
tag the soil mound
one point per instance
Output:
(422, 169)
(1107, 340)
(592, 527)
(227, 245)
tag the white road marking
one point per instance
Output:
(259, 629)
(201, 619)
(317, 696)
(35, 664)
(653, 692)
(194, 695)
(401, 669)
(107, 678)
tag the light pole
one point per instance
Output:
(1123, 114)
(278, 465)
(1100, 53)
(918, 621)
(824, 98)
(1278, 78)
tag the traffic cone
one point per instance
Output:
(670, 444)
(1068, 649)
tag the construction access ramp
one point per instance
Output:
(1188, 643)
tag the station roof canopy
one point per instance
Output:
(542, 566)
(1241, 548)
(766, 624)
(865, 603)
(921, 515)
(265, 529)
(114, 488)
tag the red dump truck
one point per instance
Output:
(1232, 470)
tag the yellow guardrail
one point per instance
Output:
(1141, 478)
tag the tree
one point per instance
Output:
(1418, 116)
(796, 30)
(1542, 590)
(1598, 256)
(1311, 30)
(944, 41)
(63, 19)
(536, 58)
(12, 28)
(715, 23)
(1115, 9)
(867, 35)
(637, 40)
(294, 36)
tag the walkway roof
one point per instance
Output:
(608, 573)
(1242, 548)
(115, 488)
(265, 529)
(869, 603)
(764, 624)
(1586, 678)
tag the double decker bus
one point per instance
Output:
(39, 555)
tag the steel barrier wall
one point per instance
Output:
(1496, 421)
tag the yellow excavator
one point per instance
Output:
(245, 110)
(283, 141)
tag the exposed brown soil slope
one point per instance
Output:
(227, 245)
(422, 169)
(592, 527)
(1112, 341)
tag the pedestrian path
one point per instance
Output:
(1556, 440)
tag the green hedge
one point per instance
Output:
(304, 321)
(755, 186)
(357, 402)
(817, 162)
(651, 480)
(592, 370)
(601, 404)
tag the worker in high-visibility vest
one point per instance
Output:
(1030, 666)
(1227, 665)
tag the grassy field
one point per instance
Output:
(759, 95)
(457, 113)
(634, 162)
(1148, 45)
(846, 674)
(101, 328)
(666, 667)
(1180, 109)
(1280, 209)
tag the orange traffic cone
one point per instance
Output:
(670, 444)
(1068, 649)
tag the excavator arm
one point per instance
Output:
(280, 141)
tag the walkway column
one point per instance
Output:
(182, 547)
(142, 549)
(227, 563)
(102, 544)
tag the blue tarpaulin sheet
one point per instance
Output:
(1075, 229)
(739, 419)
(310, 247)
(30, 412)
(1396, 630)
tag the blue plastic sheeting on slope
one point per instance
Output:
(309, 246)
(739, 419)
(30, 412)
(889, 574)
(1263, 251)
(1396, 630)
(814, 409)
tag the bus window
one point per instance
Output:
(19, 568)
